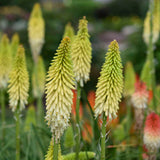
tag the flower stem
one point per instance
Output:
(151, 55)
(17, 117)
(129, 116)
(3, 114)
(77, 122)
(55, 150)
(39, 111)
(93, 121)
(103, 138)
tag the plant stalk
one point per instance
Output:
(129, 115)
(77, 122)
(17, 117)
(151, 56)
(55, 150)
(3, 114)
(39, 110)
(103, 138)
(93, 121)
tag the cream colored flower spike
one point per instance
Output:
(155, 24)
(110, 83)
(18, 82)
(38, 78)
(5, 61)
(60, 82)
(36, 31)
(81, 53)
(14, 45)
(69, 31)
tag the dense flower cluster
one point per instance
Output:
(81, 53)
(140, 96)
(110, 83)
(152, 132)
(38, 78)
(155, 24)
(36, 30)
(60, 82)
(5, 61)
(18, 82)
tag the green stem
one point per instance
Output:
(129, 115)
(55, 150)
(151, 56)
(93, 121)
(3, 114)
(77, 122)
(39, 110)
(17, 116)
(103, 138)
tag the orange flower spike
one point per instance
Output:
(74, 106)
(111, 123)
(87, 133)
(91, 98)
(74, 102)
(150, 96)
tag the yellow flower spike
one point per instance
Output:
(156, 20)
(69, 32)
(5, 61)
(36, 29)
(146, 29)
(129, 80)
(155, 23)
(49, 155)
(18, 82)
(60, 82)
(81, 53)
(14, 44)
(38, 78)
(110, 83)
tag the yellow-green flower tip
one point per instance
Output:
(5, 39)
(110, 83)
(146, 29)
(5, 61)
(155, 24)
(36, 31)
(36, 12)
(82, 156)
(49, 155)
(38, 78)
(156, 21)
(15, 38)
(83, 25)
(18, 82)
(69, 32)
(129, 79)
(14, 44)
(60, 82)
(81, 53)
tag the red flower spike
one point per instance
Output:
(152, 132)
(141, 95)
